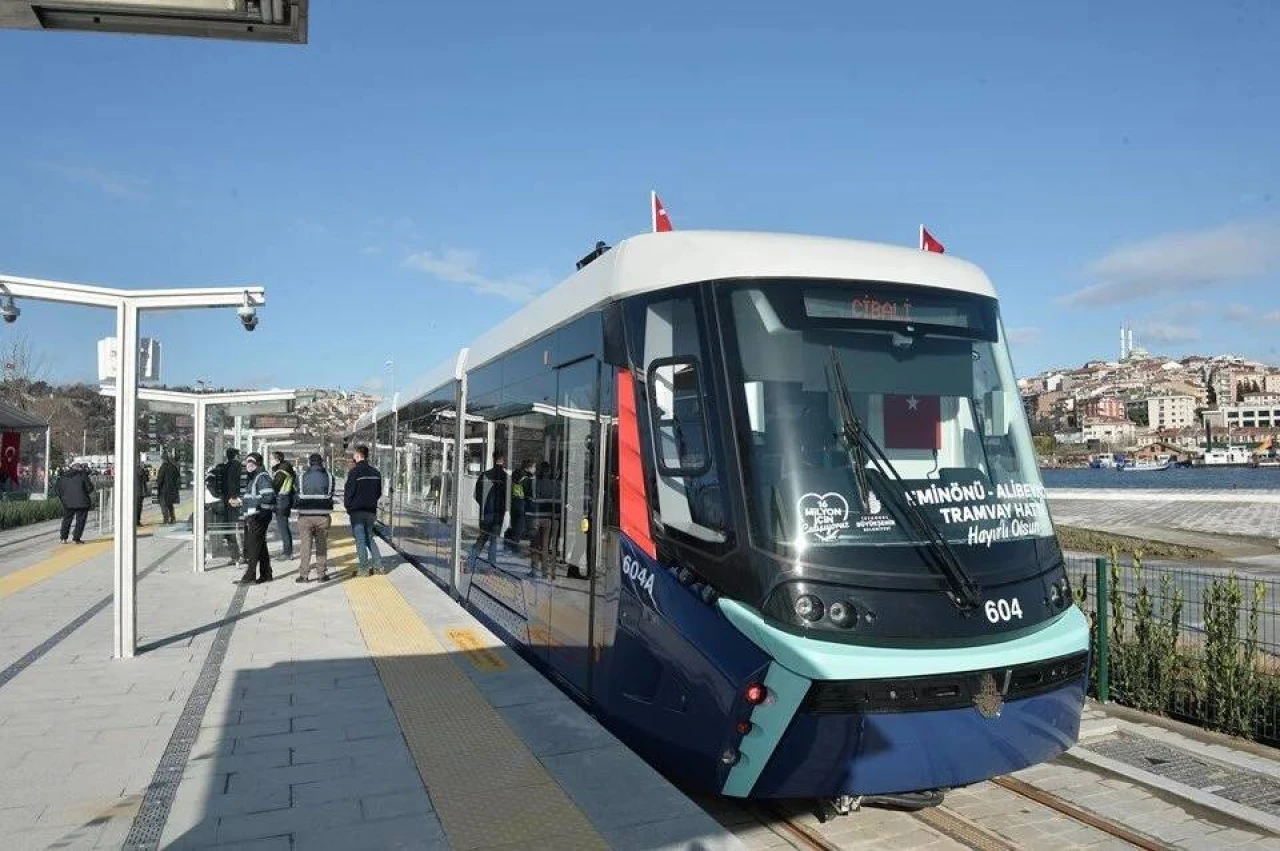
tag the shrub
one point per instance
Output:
(15, 513)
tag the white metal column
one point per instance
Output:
(200, 463)
(459, 450)
(126, 484)
(48, 462)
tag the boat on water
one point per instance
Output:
(1231, 456)
(1107, 461)
(1147, 466)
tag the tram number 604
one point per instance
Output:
(1003, 610)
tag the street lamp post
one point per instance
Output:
(128, 304)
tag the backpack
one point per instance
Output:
(214, 478)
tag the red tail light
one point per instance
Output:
(744, 727)
(756, 694)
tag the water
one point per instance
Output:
(1207, 478)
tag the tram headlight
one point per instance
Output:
(809, 608)
(843, 614)
(1056, 596)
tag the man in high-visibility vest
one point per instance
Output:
(283, 479)
(258, 502)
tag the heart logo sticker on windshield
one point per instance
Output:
(823, 516)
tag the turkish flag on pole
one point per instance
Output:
(9, 446)
(661, 221)
(912, 422)
(928, 243)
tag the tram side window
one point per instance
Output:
(688, 484)
(675, 401)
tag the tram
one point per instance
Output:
(771, 511)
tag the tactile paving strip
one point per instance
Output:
(487, 787)
(1235, 784)
(148, 824)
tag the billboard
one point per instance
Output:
(148, 360)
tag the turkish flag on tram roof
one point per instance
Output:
(661, 221)
(912, 422)
(928, 243)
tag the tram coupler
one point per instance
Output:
(841, 805)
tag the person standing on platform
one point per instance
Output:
(167, 487)
(74, 490)
(140, 497)
(491, 496)
(259, 502)
(222, 485)
(231, 477)
(315, 505)
(283, 479)
(360, 495)
(521, 496)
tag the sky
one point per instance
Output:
(419, 170)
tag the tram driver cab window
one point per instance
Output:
(688, 486)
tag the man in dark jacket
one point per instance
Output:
(521, 496)
(360, 497)
(259, 503)
(75, 492)
(225, 482)
(144, 478)
(283, 479)
(491, 496)
(168, 485)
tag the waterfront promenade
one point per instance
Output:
(1249, 514)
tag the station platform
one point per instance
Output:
(369, 712)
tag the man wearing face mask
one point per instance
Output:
(258, 501)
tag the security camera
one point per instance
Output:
(248, 316)
(10, 311)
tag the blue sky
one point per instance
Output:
(401, 182)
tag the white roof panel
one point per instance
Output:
(654, 261)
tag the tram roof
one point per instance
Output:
(655, 261)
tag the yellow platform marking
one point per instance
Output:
(480, 657)
(65, 557)
(487, 787)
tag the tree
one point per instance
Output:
(21, 368)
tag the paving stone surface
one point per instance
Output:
(298, 745)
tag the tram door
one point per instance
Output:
(576, 409)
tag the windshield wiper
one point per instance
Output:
(963, 592)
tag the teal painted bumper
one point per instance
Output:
(798, 661)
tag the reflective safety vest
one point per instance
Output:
(315, 491)
(261, 496)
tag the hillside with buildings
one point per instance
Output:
(1142, 399)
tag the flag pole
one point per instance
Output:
(653, 211)
(922, 237)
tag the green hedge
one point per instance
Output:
(1221, 670)
(15, 513)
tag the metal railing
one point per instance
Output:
(1201, 645)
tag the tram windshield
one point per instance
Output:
(930, 383)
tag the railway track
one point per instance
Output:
(802, 832)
